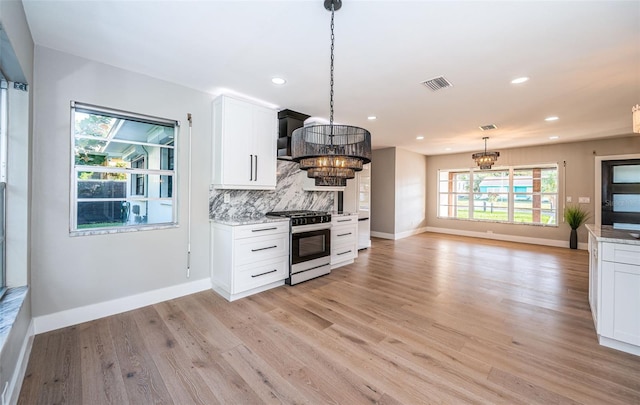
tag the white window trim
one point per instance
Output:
(511, 193)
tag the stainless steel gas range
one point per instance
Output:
(310, 255)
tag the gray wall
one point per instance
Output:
(14, 23)
(383, 183)
(70, 272)
(580, 182)
(398, 197)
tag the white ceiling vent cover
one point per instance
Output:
(488, 127)
(437, 83)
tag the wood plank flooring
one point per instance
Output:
(430, 319)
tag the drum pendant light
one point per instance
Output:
(331, 153)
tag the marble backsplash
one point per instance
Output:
(288, 195)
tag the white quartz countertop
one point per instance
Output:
(606, 233)
(235, 221)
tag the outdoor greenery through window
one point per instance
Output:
(123, 169)
(523, 195)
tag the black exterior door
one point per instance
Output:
(621, 192)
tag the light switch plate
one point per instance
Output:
(569, 199)
(584, 200)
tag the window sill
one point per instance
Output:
(499, 222)
(109, 231)
(9, 307)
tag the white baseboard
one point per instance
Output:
(509, 238)
(396, 236)
(21, 367)
(62, 319)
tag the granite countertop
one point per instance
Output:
(252, 220)
(606, 233)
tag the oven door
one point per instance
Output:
(310, 242)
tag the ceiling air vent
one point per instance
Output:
(437, 83)
(488, 127)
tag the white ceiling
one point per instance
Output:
(583, 59)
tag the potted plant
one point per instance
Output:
(575, 215)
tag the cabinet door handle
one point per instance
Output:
(343, 220)
(264, 229)
(344, 253)
(255, 178)
(345, 234)
(264, 248)
(251, 168)
(262, 274)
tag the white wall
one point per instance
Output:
(71, 272)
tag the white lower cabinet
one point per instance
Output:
(246, 259)
(620, 300)
(344, 240)
(614, 293)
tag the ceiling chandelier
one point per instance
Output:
(636, 118)
(485, 159)
(331, 153)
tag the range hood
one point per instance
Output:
(288, 121)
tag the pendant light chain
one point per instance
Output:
(331, 154)
(331, 83)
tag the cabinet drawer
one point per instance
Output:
(621, 253)
(253, 276)
(346, 220)
(251, 250)
(343, 235)
(342, 253)
(269, 228)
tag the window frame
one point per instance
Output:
(511, 194)
(133, 174)
(4, 162)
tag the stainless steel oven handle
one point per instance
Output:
(308, 228)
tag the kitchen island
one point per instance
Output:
(614, 287)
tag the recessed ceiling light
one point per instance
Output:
(372, 117)
(419, 137)
(554, 137)
(278, 81)
(447, 148)
(519, 80)
(554, 118)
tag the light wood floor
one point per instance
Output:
(427, 319)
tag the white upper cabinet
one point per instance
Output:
(245, 139)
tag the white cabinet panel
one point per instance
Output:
(244, 145)
(621, 302)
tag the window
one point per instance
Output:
(4, 143)
(523, 195)
(123, 169)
